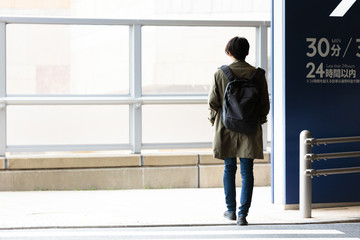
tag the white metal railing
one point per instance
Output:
(134, 99)
(306, 171)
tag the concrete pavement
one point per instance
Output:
(147, 207)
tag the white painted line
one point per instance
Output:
(342, 8)
(58, 233)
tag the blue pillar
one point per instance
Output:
(316, 64)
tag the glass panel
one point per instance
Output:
(182, 60)
(95, 124)
(176, 123)
(62, 59)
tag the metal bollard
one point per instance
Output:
(305, 181)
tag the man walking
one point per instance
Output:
(229, 145)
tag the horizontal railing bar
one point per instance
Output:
(314, 141)
(144, 22)
(99, 147)
(190, 145)
(324, 172)
(67, 100)
(102, 95)
(102, 100)
(77, 147)
(174, 100)
(325, 156)
(14, 96)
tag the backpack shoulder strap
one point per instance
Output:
(258, 73)
(227, 72)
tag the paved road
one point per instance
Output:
(300, 231)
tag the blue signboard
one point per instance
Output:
(322, 81)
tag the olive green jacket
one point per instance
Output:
(227, 143)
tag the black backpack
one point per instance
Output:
(240, 111)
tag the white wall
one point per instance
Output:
(278, 154)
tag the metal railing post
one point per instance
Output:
(262, 61)
(305, 181)
(306, 172)
(262, 47)
(2, 88)
(135, 89)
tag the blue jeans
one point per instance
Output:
(247, 175)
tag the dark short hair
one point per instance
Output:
(238, 47)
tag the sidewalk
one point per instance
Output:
(162, 207)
